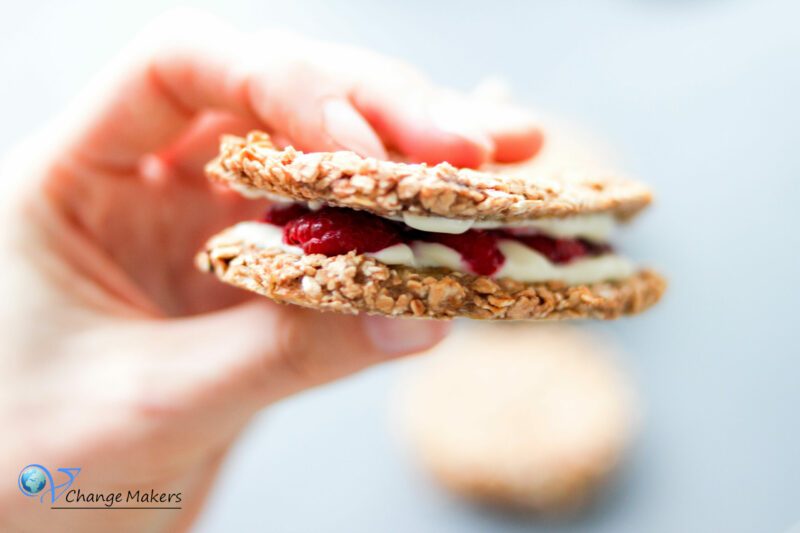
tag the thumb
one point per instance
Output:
(260, 352)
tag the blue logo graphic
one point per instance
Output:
(34, 479)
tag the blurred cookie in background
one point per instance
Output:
(518, 416)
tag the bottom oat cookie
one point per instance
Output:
(353, 283)
(532, 418)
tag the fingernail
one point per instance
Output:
(516, 133)
(454, 115)
(348, 129)
(507, 118)
(397, 336)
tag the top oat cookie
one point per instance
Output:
(497, 192)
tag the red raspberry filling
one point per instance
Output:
(560, 250)
(477, 248)
(334, 231)
(280, 214)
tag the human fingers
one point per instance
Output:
(259, 352)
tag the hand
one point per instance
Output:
(117, 356)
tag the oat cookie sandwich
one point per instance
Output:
(353, 234)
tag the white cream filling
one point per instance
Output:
(521, 262)
(262, 235)
(436, 224)
(526, 264)
(594, 226)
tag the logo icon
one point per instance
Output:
(36, 480)
(32, 480)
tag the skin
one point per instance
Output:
(117, 356)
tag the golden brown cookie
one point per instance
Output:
(353, 283)
(527, 417)
(387, 188)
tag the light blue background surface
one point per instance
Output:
(701, 98)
